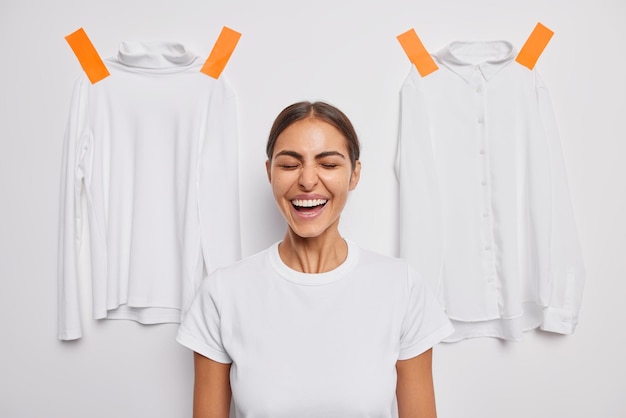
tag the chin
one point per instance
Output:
(307, 234)
(311, 232)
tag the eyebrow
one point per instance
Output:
(319, 156)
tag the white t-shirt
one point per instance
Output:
(153, 147)
(314, 345)
(485, 210)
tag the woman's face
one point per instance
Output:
(311, 175)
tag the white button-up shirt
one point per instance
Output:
(485, 208)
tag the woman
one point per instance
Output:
(313, 326)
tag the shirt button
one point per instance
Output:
(482, 151)
(487, 247)
(478, 90)
(480, 121)
(483, 183)
(485, 215)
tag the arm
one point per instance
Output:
(211, 393)
(415, 390)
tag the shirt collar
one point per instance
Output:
(154, 55)
(464, 57)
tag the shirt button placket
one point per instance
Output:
(488, 253)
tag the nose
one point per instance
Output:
(308, 178)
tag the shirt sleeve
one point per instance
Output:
(420, 211)
(566, 274)
(200, 328)
(218, 182)
(69, 236)
(425, 323)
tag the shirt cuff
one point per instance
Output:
(429, 342)
(561, 321)
(201, 348)
(70, 334)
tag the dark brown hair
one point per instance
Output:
(316, 110)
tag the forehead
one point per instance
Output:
(311, 135)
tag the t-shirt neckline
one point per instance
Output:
(314, 279)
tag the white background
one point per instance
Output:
(344, 52)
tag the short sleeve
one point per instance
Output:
(200, 328)
(425, 323)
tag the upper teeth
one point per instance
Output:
(308, 203)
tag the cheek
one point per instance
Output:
(337, 182)
(280, 184)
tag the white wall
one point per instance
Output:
(344, 52)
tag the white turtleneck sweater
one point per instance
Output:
(153, 147)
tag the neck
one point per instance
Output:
(313, 255)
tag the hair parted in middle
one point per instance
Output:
(320, 111)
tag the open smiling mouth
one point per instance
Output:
(309, 204)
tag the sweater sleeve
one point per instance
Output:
(566, 275)
(218, 181)
(420, 214)
(69, 237)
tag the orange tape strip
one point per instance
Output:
(87, 56)
(222, 50)
(416, 52)
(534, 46)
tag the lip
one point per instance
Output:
(311, 212)
(308, 196)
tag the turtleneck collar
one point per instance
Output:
(154, 55)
